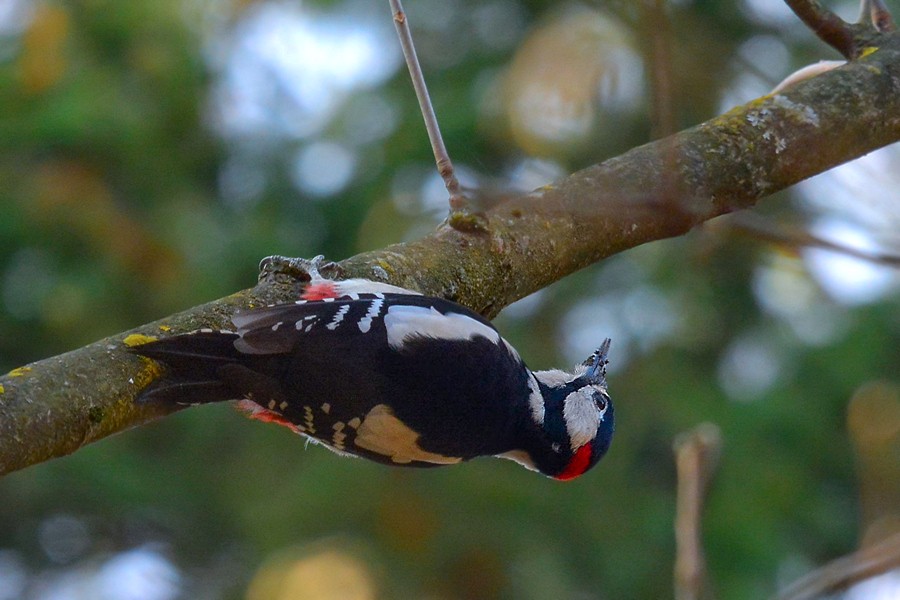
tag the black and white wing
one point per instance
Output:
(377, 318)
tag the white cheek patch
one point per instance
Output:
(404, 322)
(582, 417)
(383, 433)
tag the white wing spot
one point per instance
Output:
(277, 325)
(271, 405)
(374, 310)
(326, 408)
(383, 433)
(339, 426)
(302, 322)
(338, 317)
(405, 322)
(283, 405)
(354, 422)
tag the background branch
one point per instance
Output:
(696, 458)
(799, 238)
(842, 573)
(655, 191)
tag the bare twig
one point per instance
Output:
(696, 457)
(830, 28)
(441, 157)
(759, 228)
(842, 573)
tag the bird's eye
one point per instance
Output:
(600, 401)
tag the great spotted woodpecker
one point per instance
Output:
(385, 373)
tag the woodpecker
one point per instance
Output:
(373, 370)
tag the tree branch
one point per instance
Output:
(522, 244)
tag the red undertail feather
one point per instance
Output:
(255, 411)
(319, 291)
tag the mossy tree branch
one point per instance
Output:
(663, 189)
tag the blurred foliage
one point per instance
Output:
(135, 183)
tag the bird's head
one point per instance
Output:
(577, 421)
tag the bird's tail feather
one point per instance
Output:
(193, 363)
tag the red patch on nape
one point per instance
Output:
(319, 291)
(577, 465)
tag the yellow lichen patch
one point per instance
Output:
(149, 373)
(2, 389)
(151, 369)
(165, 328)
(867, 51)
(19, 372)
(136, 339)
(872, 69)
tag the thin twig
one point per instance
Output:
(876, 14)
(842, 573)
(760, 228)
(696, 456)
(441, 157)
(830, 28)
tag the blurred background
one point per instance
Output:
(151, 152)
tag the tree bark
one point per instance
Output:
(663, 189)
